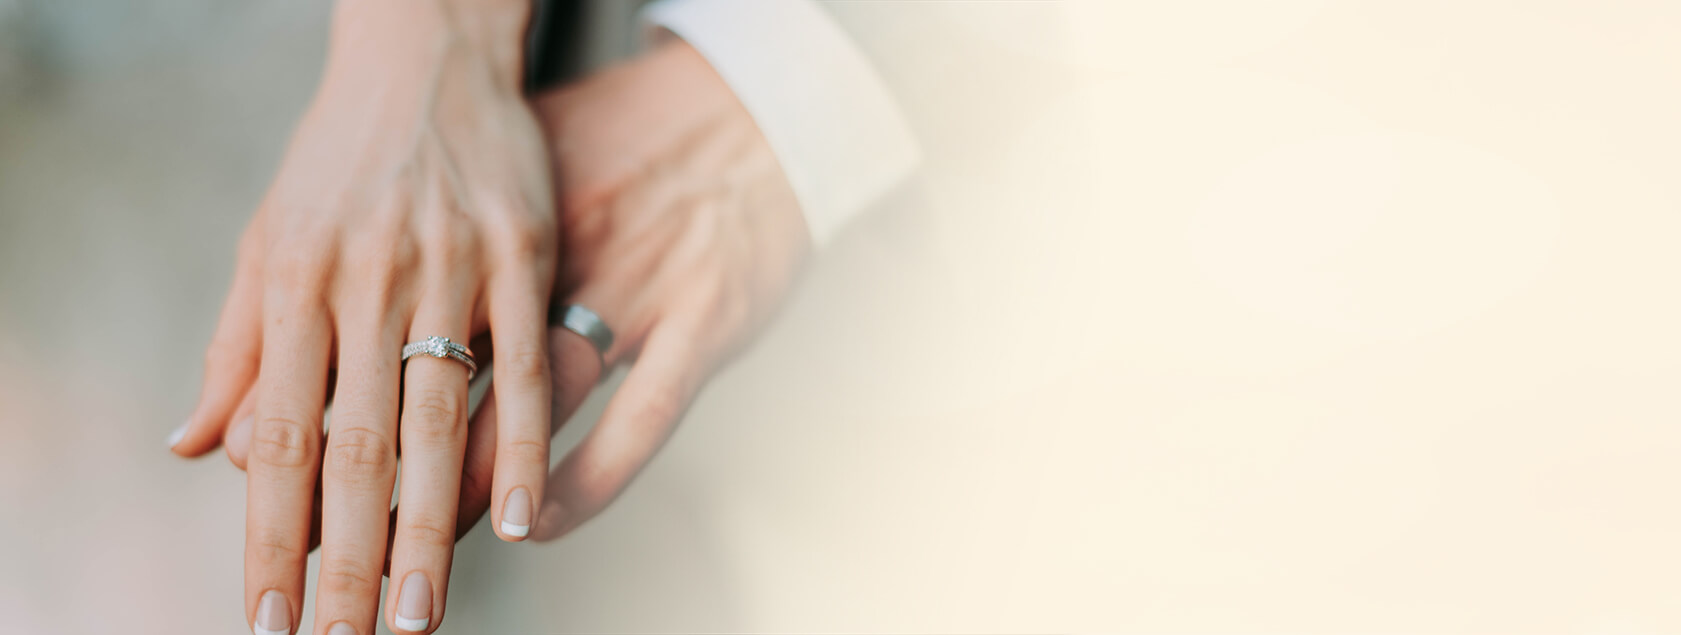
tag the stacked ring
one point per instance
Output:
(442, 348)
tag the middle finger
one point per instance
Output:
(358, 471)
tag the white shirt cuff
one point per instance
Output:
(834, 126)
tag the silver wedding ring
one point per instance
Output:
(587, 323)
(442, 348)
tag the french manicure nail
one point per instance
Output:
(341, 628)
(176, 434)
(414, 604)
(516, 513)
(274, 615)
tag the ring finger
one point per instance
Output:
(433, 434)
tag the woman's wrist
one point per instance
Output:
(399, 35)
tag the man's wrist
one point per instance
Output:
(833, 123)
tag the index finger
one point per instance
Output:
(230, 363)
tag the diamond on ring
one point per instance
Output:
(437, 346)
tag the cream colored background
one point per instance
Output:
(1283, 317)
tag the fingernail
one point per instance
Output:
(341, 628)
(176, 434)
(274, 615)
(516, 513)
(414, 603)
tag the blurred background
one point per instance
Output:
(1285, 317)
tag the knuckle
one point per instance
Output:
(437, 404)
(429, 532)
(296, 268)
(272, 550)
(348, 577)
(526, 365)
(282, 442)
(435, 416)
(360, 455)
(525, 452)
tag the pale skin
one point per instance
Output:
(674, 223)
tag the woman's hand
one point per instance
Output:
(413, 201)
(677, 221)
(680, 230)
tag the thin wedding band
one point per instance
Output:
(442, 348)
(578, 319)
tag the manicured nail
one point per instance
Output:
(176, 434)
(274, 615)
(516, 513)
(341, 628)
(414, 604)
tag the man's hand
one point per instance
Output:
(680, 230)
